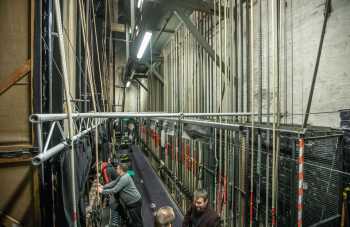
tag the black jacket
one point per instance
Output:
(209, 218)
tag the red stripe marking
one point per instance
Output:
(225, 187)
(188, 151)
(301, 160)
(251, 206)
(166, 150)
(172, 152)
(273, 211)
(301, 176)
(74, 216)
(300, 223)
(300, 191)
(182, 152)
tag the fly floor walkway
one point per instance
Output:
(151, 188)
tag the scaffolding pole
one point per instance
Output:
(69, 106)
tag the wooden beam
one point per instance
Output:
(14, 147)
(18, 74)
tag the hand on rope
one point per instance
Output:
(99, 188)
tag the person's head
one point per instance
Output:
(164, 216)
(115, 162)
(200, 200)
(122, 168)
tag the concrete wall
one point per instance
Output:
(131, 100)
(301, 24)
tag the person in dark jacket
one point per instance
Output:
(200, 214)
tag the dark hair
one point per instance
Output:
(114, 162)
(124, 166)
(200, 193)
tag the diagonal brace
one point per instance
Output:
(200, 39)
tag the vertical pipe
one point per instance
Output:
(234, 72)
(285, 60)
(86, 65)
(293, 185)
(114, 76)
(252, 109)
(220, 142)
(300, 182)
(50, 51)
(215, 108)
(219, 189)
(268, 111)
(132, 13)
(275, 109)
(267, 188)
(258, 184)
(49, 10)
(211, 27)
(68, 102)
(248, 44)
(241, 54)
(226, 110)
(98, 53)
(292, 60)
(127, 42)
(40, 149)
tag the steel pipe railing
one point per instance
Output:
(36, 118)
(204, 123)
(230, 126)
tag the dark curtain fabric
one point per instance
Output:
(83, 158)
(103, 143)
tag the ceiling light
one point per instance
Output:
(128, 83)
(144, 43)
(139, 4)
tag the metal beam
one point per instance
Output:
(155, 72)
(327, 11)
(144, 87)
(200, 39)
(192, 5)
(132, 13)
